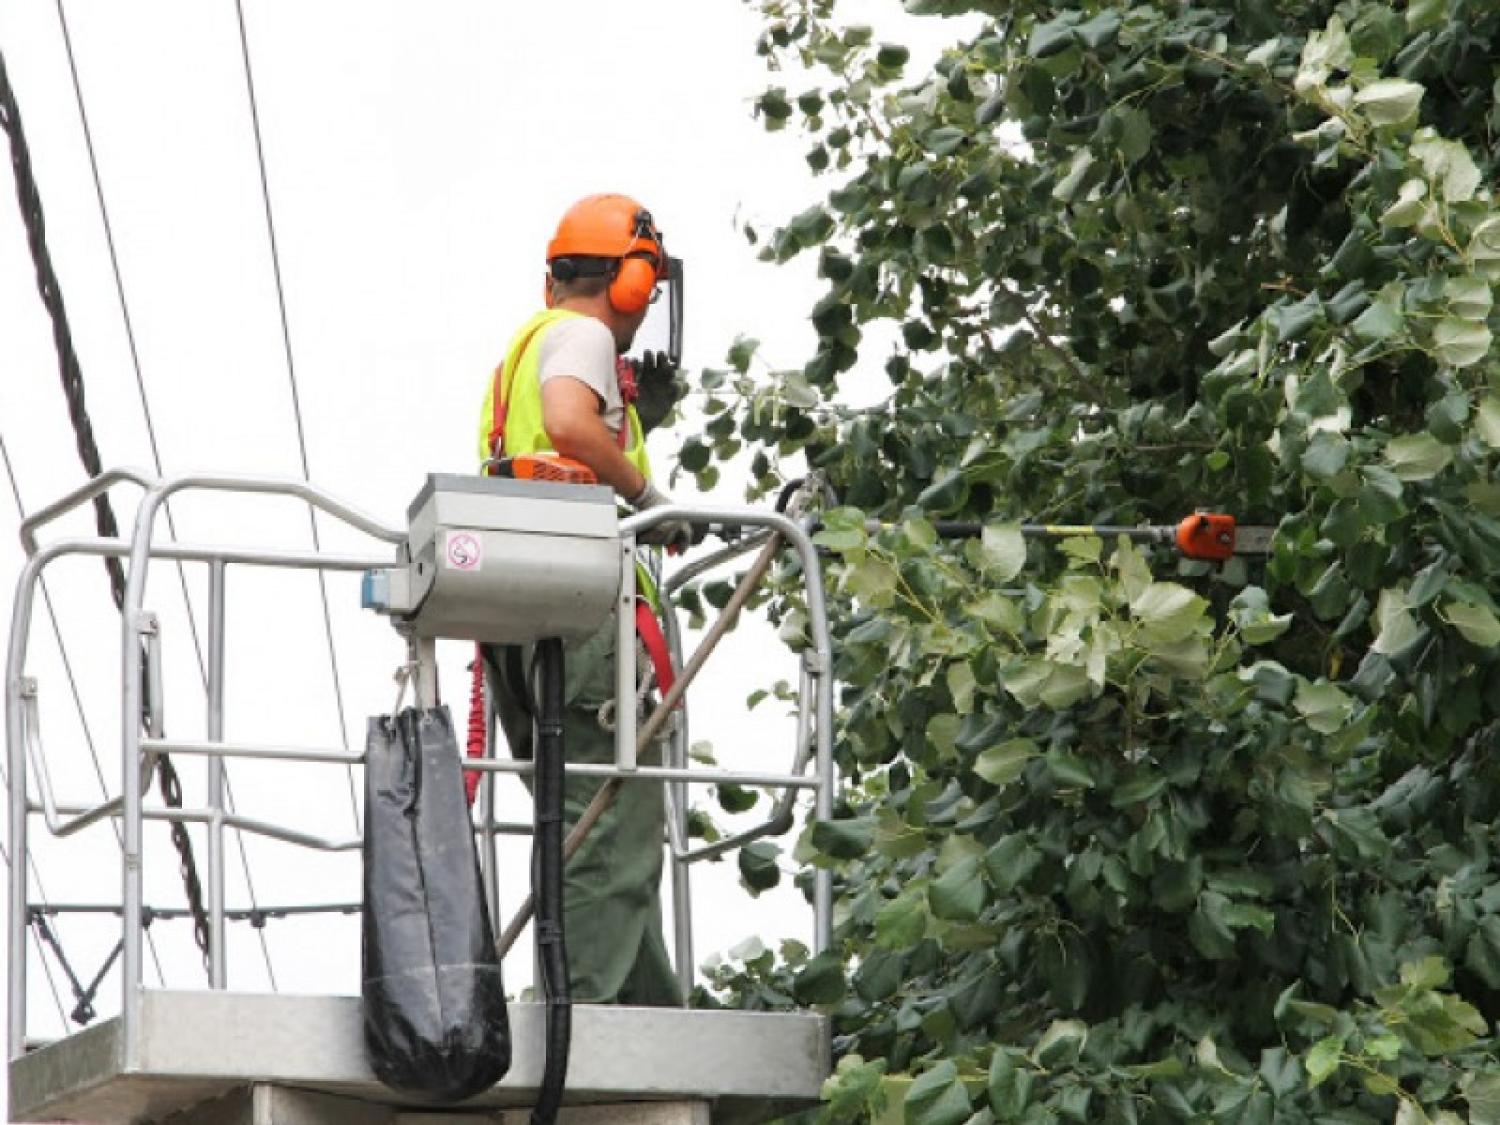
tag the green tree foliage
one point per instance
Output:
(1125, 838)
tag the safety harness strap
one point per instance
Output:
(648, 628)
(504, 375)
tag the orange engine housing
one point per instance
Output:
(1207, 535)
(543, 466)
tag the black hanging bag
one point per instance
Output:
(434, 1006)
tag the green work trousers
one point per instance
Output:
(612, 908)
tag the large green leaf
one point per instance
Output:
(1469, 298)
(1484, 248)
(1482, 1093)
(1461, 343)
(1396, 629)
(1167, 612)
(1002, 764)
(1487, 421)
(1417, 457)
(1447, 164)
(1004, 550)
(1323, 705)
(1009, 1085)
(1476, 622)
(1389, 101)
(842, 839)
(958, 895)
(759, 867)
(937, 1097)
(1324, 1059)
(821, 980)
(902, 922)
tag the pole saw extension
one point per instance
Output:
(1207, 536)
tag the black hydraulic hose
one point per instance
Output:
(788, 490)
(547, 880)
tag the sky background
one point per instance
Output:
(418, 157)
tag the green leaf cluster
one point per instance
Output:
(1124, 837)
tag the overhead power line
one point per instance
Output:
(140, 383)
(135, 357)
(291, 371)
(88, 451)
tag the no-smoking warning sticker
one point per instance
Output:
(464, 551)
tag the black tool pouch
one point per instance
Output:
(434, 1007)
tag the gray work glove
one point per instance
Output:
(659, 387)
(675, 535)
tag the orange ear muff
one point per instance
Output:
(631, 288)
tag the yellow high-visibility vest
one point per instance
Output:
(512, 411)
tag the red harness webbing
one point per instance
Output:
(648, 628)
(478, 723)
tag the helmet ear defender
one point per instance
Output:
(634, 280)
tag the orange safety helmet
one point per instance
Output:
(620, 234)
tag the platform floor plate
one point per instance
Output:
(195, 1046)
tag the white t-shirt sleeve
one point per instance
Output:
(583, 348)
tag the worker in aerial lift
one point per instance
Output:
(564, 386)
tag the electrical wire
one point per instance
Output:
(291, 370)
(71, 374)
(83, 719)
(140, 383)
(114, 263)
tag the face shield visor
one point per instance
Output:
(661, 331)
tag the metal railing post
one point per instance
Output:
(130, 842)
(625, 717)
(424, 655)
(821, 676)
(16, 763)
(489, 853)
(218, 968)
(677, 825)
(134, 626)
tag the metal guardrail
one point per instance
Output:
(140, 636)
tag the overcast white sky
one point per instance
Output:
(418, 159)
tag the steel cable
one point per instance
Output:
(135, 358)
(140, 383)
(291, 370)
(88, 452)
